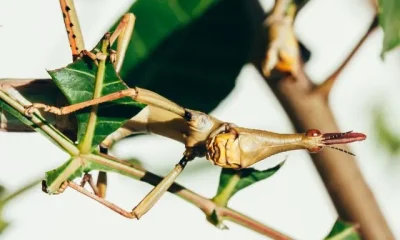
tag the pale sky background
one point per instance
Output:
(32, 39)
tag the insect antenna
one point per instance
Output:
(342, 150)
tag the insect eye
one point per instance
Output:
(313, 133)
(314, 150)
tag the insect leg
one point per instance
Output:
(101, 200)
(158, 191)
(148, 201)
(138, 94)
(124, 33)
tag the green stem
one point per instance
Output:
(105, 162)
(69, 171)
(39, 121)
(86, 145)
(19, 192)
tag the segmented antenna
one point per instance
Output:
(342, 150)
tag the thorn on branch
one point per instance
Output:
(325, 87)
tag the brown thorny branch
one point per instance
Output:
(307, 106)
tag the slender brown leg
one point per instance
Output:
(102, 178)
(106, 203)
(102, 184)
(158, 191)
(123, 32)
(138, 94)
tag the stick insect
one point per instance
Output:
(222, 143)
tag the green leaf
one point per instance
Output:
(343, 231)
(231, 181)
(77, 81)
(167, 16)
(389, 20)
(184, 56)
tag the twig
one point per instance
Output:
(325, 87)
(245, 221)
(19, 192)
(206, 205)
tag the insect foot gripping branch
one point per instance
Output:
(241, 147)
